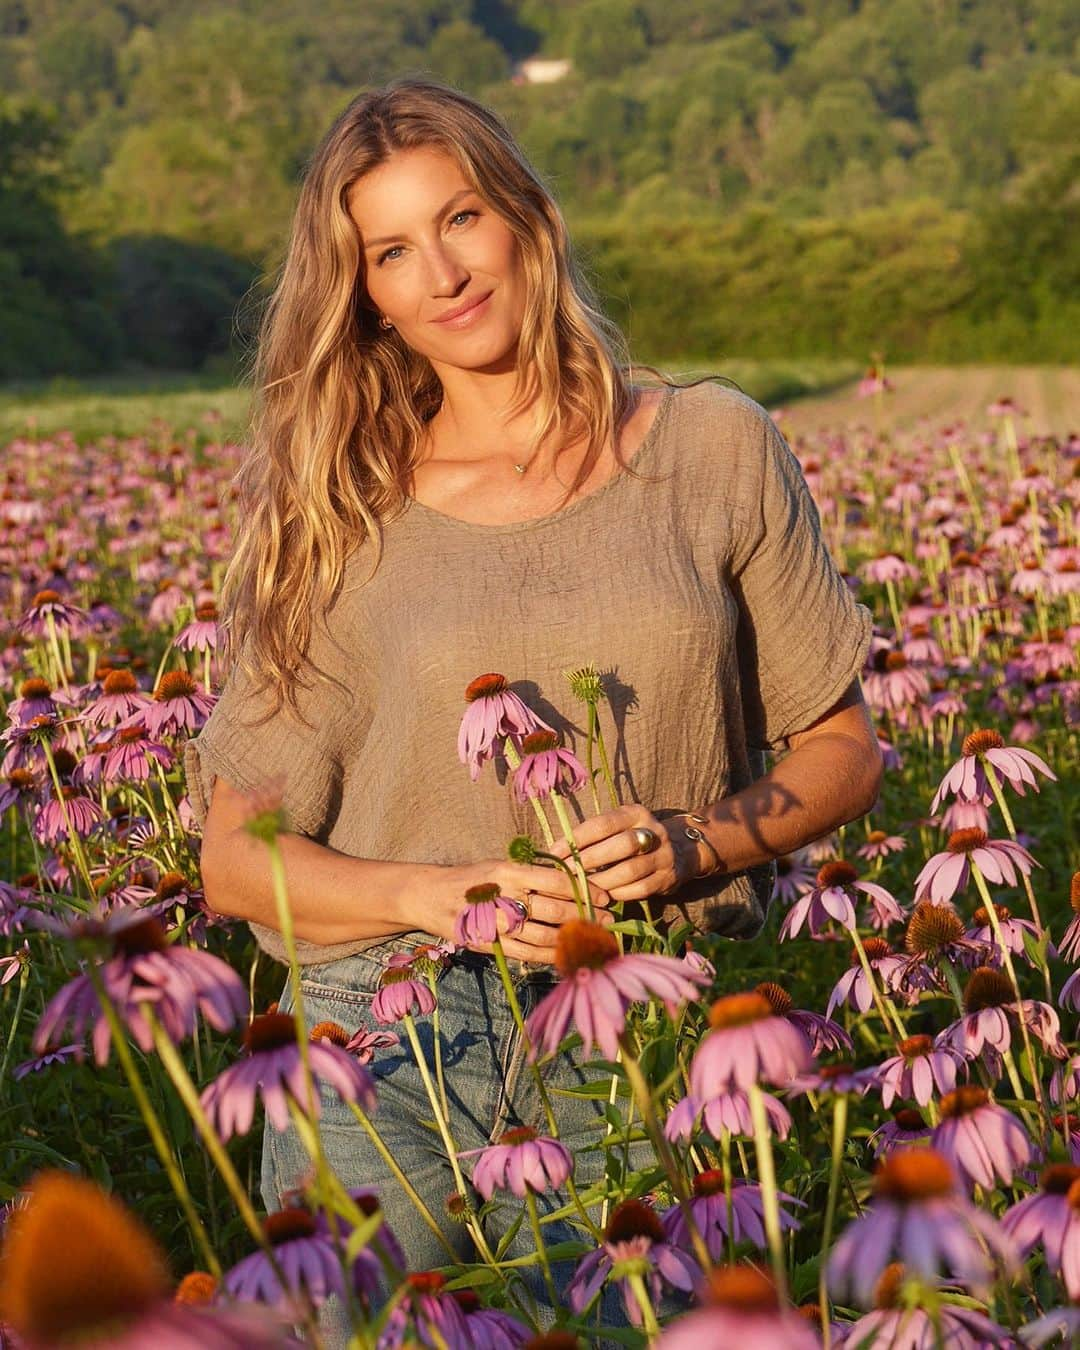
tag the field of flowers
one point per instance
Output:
(862, 1128)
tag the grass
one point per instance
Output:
(128, 405)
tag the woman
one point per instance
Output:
(451, 474)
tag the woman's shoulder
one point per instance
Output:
(719, 409)
(725, 438)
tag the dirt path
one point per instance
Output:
(939, 396)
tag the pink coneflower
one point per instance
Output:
(917, 1072)
(49, 604)
(131, 756)
(823, 1033)
(112, 1286)
(722, 1111)
(747, 1044)
(201, 635)
(889, 567)
(36, 696)
(397, 999)
(307, 1258)
(880, 845)
(60, 1055)
(920, 648)
(428, 1314)
(794, 877)
(833, 1079)
(368, 1267)
(363, 1044)
(1065, 1081)
(273, 1071)
(833, 898)
(56, 819)
(893, 684)
(741, 1307)
(989, 1001)
(145, 971)
(896, 1325)
(15, 908)
(710, 1213)
(918, 1214)
(1012, 931)
(1051, 1219)
(19, 789)
(120, 698)
(1069, 950)
(489, 1328)
(494, 712)
(598, 985)
(166, 603)
(999, 860)
(967, 778)
(907, 1127)
(478, 922)
(11, 966)
(853, 988)
(985, 1143)
(634, 1233)
(1063, 1322)
(960, 815)
(521, 1161)
(179, 706)
(546, 767)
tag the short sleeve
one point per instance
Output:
(802, 638)
(250, 750)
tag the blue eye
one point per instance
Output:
(386, 253)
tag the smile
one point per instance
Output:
(470, 316)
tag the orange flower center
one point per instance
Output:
(978, 742)
(206, 611)
(147, 935)
(120, 682)
(176, 684)
(536, 742)
(581, 945)
(836, 873)
(915, 1047)
(913, 1174)
(521, 1134)
(909, 1120)
(745, 1288)
(425, 1281)
(895, 661)
(930, 928)
(981, 917)
(34, 688)
(631, 1219)
(988, 988)
(966, 841)
(779, 999)
(198, 1287)
(876, 837)
(962, 1101)
(330, 1031)
(269, 1031)
(1059, 1178)
(46, 597)
(1074, 892)
(171, 883)
(484, 686)
(288, 1224)
(875, 948)
(709, 1183)
(738, 1010)
(487, 890)
(887, 1289)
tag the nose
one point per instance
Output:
(448, 275)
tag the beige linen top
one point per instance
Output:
(702, 591)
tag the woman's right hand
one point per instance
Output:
(547, 892)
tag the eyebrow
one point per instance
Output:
(389, 238)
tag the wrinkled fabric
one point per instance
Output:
(697, 582)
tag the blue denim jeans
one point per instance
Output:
(490, 1089)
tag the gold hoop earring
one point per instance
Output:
(384, 322)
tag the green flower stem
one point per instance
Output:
(613, 792)
(50, 624)
(729, 1201)
(188, 1094)
(882, 1002)
(153, 1124)
(72, 835)
(1006, 956)
(583, 898)
(400, 1177)
(440, 1077)
(448, 1143)
(894, 608)
(648, 1312)
(770, 1199)
(640, 1089)
(593, 727)
(541, 1248)
(946, 968)
(512, 758)
(20, 999)
(839, 1133)
(519, 1022)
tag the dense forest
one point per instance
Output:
(741, 177)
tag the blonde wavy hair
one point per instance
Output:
(339, 403)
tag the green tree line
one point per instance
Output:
(743, 177)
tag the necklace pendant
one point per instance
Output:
(520, 468)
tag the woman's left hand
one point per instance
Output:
(609, 853)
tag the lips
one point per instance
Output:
(462, 309)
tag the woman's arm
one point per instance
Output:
(831, 776)
(337, 898)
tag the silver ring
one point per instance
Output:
(648, 841)
(524, 910)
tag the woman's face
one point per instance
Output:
(431, 245)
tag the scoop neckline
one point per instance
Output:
(534, 522)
